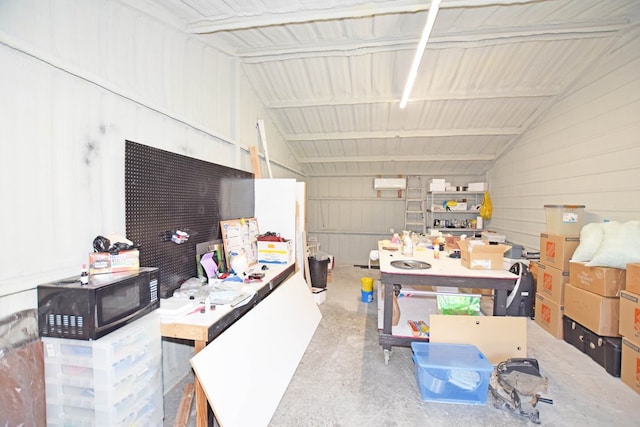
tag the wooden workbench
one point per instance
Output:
(203, 328)
(444, 271)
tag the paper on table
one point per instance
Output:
(209, 265)
(228, 297)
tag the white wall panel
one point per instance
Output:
(348, 218)
(584, 151)
(80, 77)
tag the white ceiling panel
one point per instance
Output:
(331, 72)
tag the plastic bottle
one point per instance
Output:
(436, 250)
(84, 275)
(408, 244)
(239, 263)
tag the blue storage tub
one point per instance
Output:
(451, 373)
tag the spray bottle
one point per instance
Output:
(408, 244)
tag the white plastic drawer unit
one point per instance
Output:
(113, 381)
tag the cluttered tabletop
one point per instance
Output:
(195, 306)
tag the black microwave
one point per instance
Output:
(68, 309)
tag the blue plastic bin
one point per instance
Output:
(451, 373)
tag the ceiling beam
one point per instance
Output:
(429, 98)
(467, 39)
(398, 158)
(333, 136)
(272, 18)
(448, 173)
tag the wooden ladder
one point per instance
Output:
(414, 214)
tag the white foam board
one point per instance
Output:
(245, 371)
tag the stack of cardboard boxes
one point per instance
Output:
(591, 309)
(629, 328)
(553, 275)
(557, 245)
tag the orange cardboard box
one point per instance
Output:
(599, 314)
(556, 250)
(551, 283)
(630, 369)
(630, 315)
(104, 262)
(633, 278)
(605, 281)
(548, 314)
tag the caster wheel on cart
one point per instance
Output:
(387, 355)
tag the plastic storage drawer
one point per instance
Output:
(113, 381)
(451, 373)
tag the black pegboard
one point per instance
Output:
(165, 191)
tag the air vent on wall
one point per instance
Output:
(389, 183)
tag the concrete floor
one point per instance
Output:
(342, 380)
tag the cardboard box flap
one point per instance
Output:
(480, 255)
(482, 246)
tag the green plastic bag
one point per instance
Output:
(468, 305)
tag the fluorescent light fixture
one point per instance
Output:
(431, 19)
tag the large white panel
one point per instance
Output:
(246, 370)
(275, 206)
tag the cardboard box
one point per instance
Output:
(480, 255)
(556, 250)
(460, 206)
(565, 220)
(493, 237)
(104, 262)
(633, 278)
(319, 295)
(477, 186)
(275, 252)
(630, 371)
(605, 281)
(550, 283)
(548, 314)
(630, 316)
(599, 314)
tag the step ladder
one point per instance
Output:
(414, 214)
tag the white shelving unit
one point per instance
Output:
(453, 220)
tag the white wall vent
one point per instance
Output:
(389, 183)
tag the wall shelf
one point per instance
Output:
(453, 221)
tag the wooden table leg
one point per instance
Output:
(201, 399)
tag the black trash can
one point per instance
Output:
(318, 271)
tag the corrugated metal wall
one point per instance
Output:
(584, 151)
(348, 218)
(77, 79)
(80, 77)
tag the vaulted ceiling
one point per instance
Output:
(331, 73)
